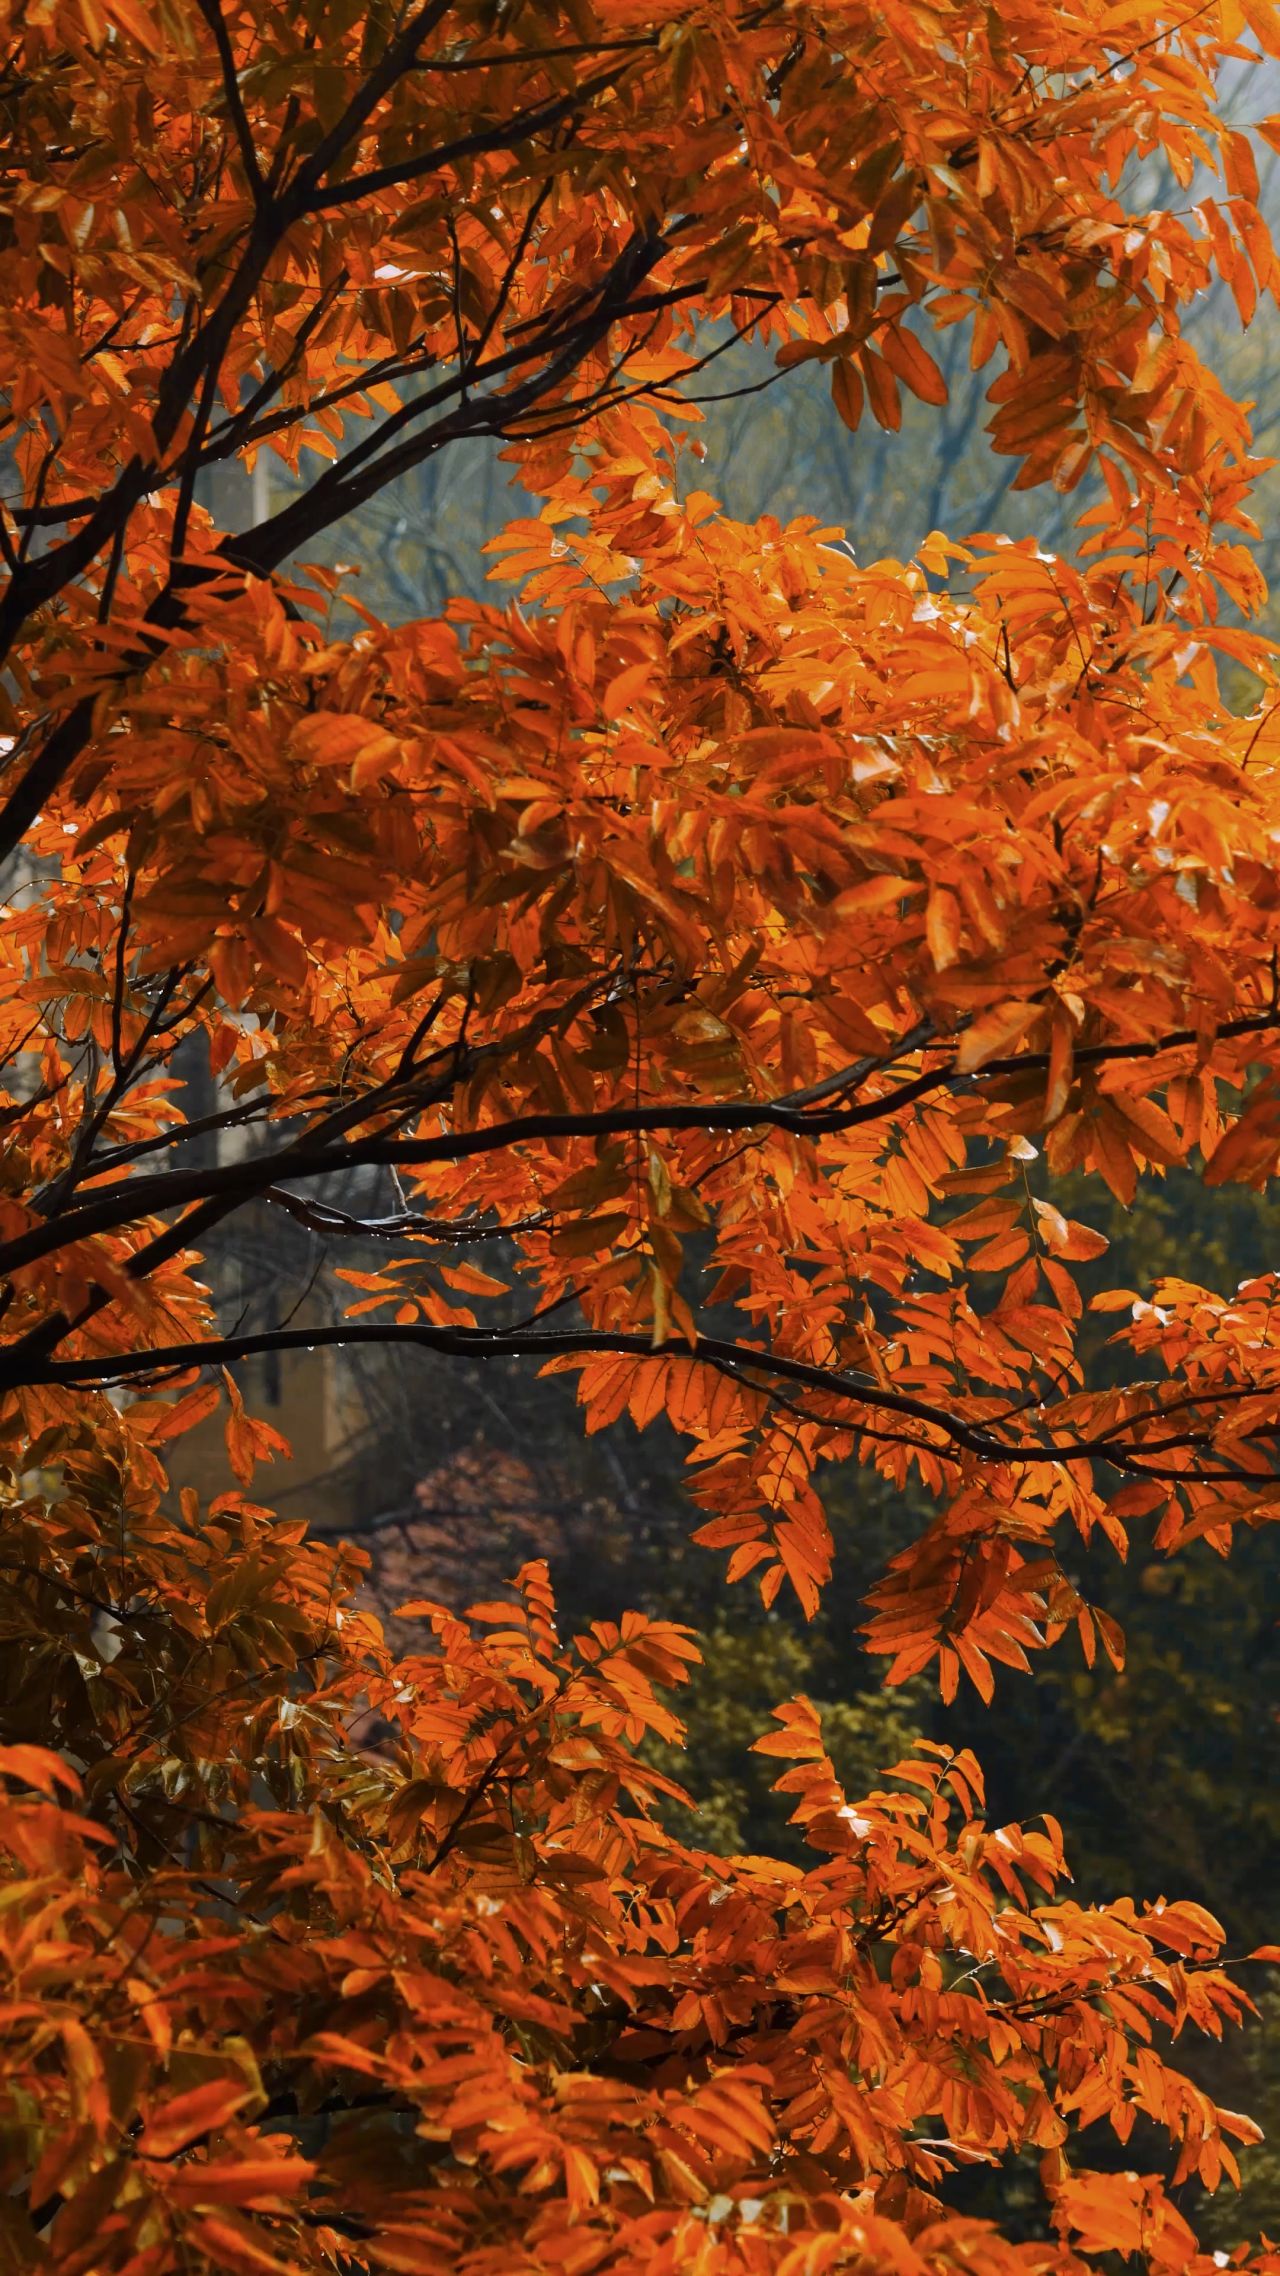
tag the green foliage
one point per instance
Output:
(748, 1666)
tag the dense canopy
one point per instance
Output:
(702, 975)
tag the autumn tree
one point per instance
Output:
(701, 976)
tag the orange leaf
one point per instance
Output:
(188, 2117)
(1064, 1237)
(994, 1033)
(239, 2181)
(913, 364)
(942, 927)
(847, 392)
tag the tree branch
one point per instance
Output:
(213, 17)
(175, 1189)
(744, 1363)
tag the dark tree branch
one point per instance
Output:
(749, 1366)
(319, 1217)
(310, 1158)
(213, 17)
(263, 548)
(504, 134)
(401, 56)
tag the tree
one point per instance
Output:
(699, 945)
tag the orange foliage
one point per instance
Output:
(721, 936)
(514, 2023)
